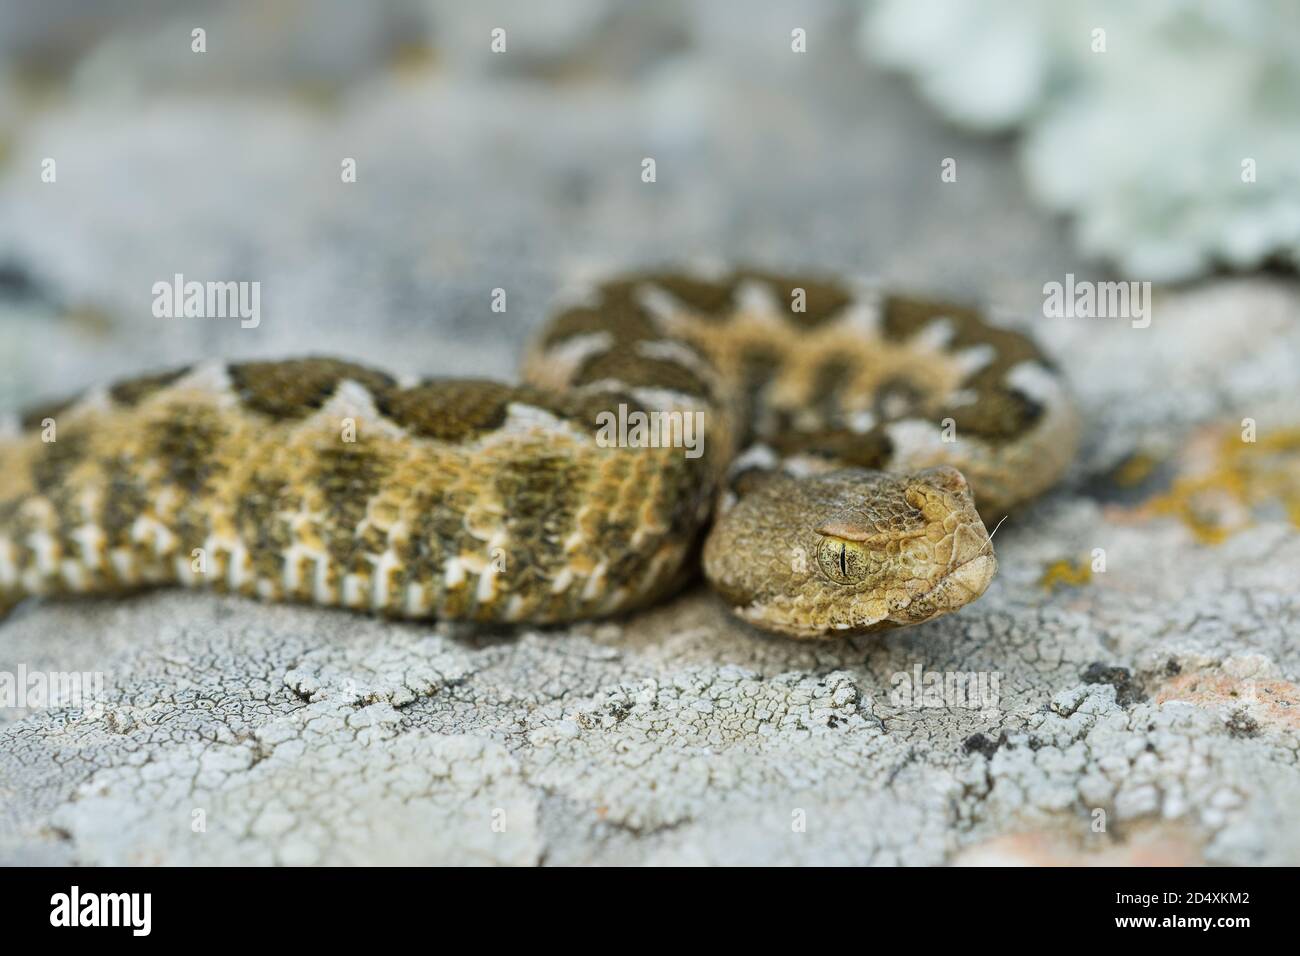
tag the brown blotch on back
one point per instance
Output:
(622, 319)
(348, 474)
(831, 377)
(52, 475)
(582, 407)
(185, 444)
(640, 371)
(905, 316)
(1001, 412)
(33, 417)
(435, 530)
(450, 409)
(545, 495)
(872, 449)
(262, 527)
(132, 391)
(128, 392)
(758, 365)
(823, 299)
(295, 388)
(50, 468)
(700, 295)
(456, 410)
(901, 397)
(125, 499)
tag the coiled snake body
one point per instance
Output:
(838, 437)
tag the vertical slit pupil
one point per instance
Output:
(844, 566)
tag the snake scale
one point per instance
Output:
(826, 442)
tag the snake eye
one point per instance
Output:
(843, 561)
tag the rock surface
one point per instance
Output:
(1124, 693)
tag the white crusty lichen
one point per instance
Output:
(264, 734)
(1166, 130)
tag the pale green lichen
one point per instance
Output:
(1167, 130)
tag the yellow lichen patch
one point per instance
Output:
(1231, 480)
(1134, 470)
(1065, 573)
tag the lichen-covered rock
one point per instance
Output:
(1125, 691)
(1213, 85)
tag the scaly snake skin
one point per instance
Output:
(846, 437)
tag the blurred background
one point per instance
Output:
(501, 145)
(473, 171)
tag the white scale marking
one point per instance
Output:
(183, 571)
(90, 540)
(210, 376)
(8, 564)
(971, 360)
(861, 422)
(862, 318)
(567, 356)
(352, 400)
(487, 586)
(353, 590)
(146, 529)
(123, 563)
(935, 336)
(74, 575)
(321, 592)
(237, 573)
(1036, 381)
(758, 299)
(594, 582)
(417, 601)
(46, 549)
(385, 564)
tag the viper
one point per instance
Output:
(853, 443)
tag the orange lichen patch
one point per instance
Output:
(1230, 480)
(1265, 702)
(1064, 573)
(1149, 846)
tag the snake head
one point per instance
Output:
(851, 551)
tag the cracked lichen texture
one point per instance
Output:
(287, 735)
